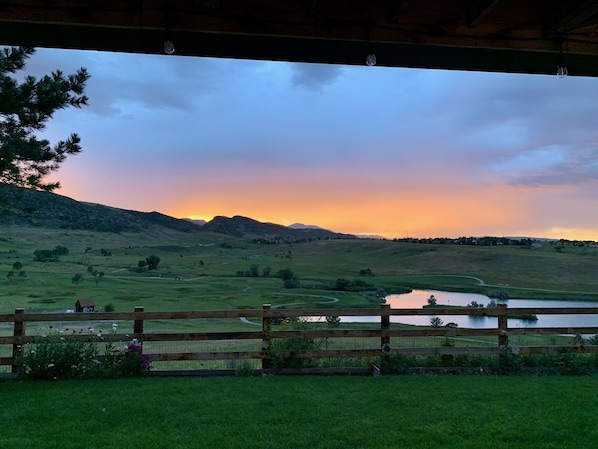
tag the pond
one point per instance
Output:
(419, 298)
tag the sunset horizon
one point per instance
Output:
(362, 150)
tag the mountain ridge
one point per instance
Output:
(239, 226)
(33, 208)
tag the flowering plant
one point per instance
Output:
(126, 361)
(57, 355)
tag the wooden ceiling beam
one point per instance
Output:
(478, 9)
(567, 21)
(458, 34)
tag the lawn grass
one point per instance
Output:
(297, 412)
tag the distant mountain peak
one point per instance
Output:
(194, 221)
(244, 227)
(303, 226)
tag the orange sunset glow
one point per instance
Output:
(360, 150)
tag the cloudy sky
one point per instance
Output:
(363, 150)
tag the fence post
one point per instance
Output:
(503, 338)
(138, 324)
(19, 331)
(266, 337)
(384, 327)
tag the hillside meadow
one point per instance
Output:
(216, 271)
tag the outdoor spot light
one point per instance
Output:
(370, 57)
(561, 68)
(169, 47)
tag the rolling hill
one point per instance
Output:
(34, 209)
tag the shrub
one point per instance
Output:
(124, 361)
(57, 355)
(510, 361)
(396, 364)
(60, 251)
(333, 321)
(499, 294)
(436, 322)
(476, 304)
(447, 342)
(244, 368)
(77, 279)
(285, 352)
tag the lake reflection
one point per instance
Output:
(419, 298)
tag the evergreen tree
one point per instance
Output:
(25, 158)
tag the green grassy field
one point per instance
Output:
(214, 270)
(480, 412)
(214, 275)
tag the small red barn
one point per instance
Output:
(85, 305)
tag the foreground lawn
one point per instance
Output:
(301, 412)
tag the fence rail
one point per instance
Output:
(381, 339)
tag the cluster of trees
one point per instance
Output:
(499, 294)
(289, 278)
(97, 275)
(475, 241)
(497, 241)
(350, 285)
(287, 255)
(50, 255)
(17, 268)
(254, 271)
(479, 305)
(103, 252)
(150, 262)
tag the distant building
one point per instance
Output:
(85, 305)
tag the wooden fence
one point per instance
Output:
(385, 340)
